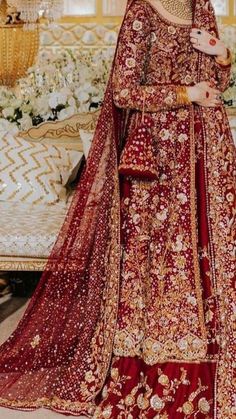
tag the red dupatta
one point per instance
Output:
(224, 285)
(60, 354)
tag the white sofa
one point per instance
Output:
(27, 234)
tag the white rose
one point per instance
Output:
(69, 68)
(41, 105)
(8, 112)
(47, 116)
(72, 102)
(50, 69)
(66, 91)
(83, 96)
(83, 108)
(4, 102)
(56, 99)
(8, 127)
(97, 99)
(87, 86)
(16, 103)
(25, 122)
(83, 75)
(27, 107)
(66, 113)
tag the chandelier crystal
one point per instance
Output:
(18, 46)
(30, 10)
(19, 34)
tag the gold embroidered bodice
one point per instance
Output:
(155, 51)
(172, 59)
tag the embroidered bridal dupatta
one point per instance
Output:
(60, 354)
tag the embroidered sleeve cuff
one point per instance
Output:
(182, 96)
(225, 62)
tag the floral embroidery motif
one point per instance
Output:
(204, 406)
(143, 396)
(137, 25)
(130, 62)
(35, 342)
(171, 30)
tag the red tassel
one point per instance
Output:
(138, 158)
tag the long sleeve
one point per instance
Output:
(129, 73)
(223, 73)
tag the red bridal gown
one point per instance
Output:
(146, 333)
(166, 342)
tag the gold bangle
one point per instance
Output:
(182, 96)
(225, 61)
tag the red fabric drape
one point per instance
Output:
(66, 335)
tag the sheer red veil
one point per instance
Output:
(60, 353)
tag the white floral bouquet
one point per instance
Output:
(62, 84)
(230, 94)
(57, 87)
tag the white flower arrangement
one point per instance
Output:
(62, 84)
(230, 94)
(57, 87)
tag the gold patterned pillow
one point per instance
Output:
(33, 172)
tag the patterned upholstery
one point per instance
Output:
(30, 230)
(28, 234)
(33, 172)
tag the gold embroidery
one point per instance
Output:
(35, 342)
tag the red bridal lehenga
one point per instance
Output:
(133, 316)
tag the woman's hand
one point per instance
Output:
(203, 41)
(204, 95)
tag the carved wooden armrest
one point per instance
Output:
(63, 133)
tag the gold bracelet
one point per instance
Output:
(225, 61)
(182, 96)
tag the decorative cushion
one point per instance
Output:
(34, 173)
(86, 138)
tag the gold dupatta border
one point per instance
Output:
(194, 231)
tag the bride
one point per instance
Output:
(133, 316)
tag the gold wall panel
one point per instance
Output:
(77, 36)
(93, 35)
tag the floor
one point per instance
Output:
(11, 310)
(40, 414)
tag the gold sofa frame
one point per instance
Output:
(60, 133)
